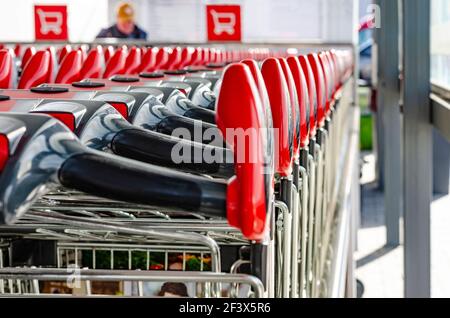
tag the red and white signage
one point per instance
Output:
(224, 22)
(50, 22)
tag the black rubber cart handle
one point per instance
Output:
(159, 149)
(128, 180)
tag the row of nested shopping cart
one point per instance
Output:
(145, 171)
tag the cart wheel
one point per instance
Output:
(359, 288)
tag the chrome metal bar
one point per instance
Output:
(52, 274)
(321, 211)
(114, 41)
(304, 229)
(271, 269)
(172, 236)
(440, 89)
(311, 201)
(336, 277)
(281, 241)
(440, 110)
(234, 289)
(317, 217)
(294, 242)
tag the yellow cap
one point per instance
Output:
(125, 11)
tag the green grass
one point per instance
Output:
(366, 120)
(366, 132)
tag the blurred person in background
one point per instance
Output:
(173, 290)
(125, 28)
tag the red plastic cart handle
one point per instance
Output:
(27, 55)
(70, 68)
(281, 113)
(295, 108)
(162, 57)
(116, 63)
(148, 61)
(303, 98)
(259, 81)
(93, 65)
(36, 71)
(174, 59)
(6, 69)
(310, 83)
(320, 87)
(108, 53)
(249, 192)
(327, 79)
(133, 61)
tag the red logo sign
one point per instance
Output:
(50, 23)
(224, 22)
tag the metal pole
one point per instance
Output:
(389, 93)
(378, 55)
(418, 150)
(441, 163)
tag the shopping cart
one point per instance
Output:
(111, 240)
(224, 22)
(50, 21)
(68, 215)
(107, 247)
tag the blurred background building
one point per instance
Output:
(185, 20)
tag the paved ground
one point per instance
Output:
(381, 269)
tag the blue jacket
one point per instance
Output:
(113, 32)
